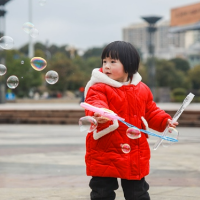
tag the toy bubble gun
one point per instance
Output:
(111, 115)
(102, 111)
(185, 103)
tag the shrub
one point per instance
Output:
(179, 91)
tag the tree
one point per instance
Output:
(92, 63)
(194, 76)
(70, 76)
(93, 52)
(167, 75)
(28, 77)
(143, 72)
(181, 64)
(39, 53)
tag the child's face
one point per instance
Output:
(114, 69)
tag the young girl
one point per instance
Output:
(117, 86)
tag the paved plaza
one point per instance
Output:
(46, 162)
(75, 106)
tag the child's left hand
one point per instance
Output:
(172, 124)
(100, 119)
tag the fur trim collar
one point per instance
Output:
(99, 77)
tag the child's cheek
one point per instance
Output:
(117, 72)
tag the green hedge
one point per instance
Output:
(180, 98)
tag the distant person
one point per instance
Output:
(36, 96)
(117, 86)
(58, 95)
(81, 90)
(45, 95)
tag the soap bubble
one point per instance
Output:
(38, 63)
(133, 133)
(34, 33)
(87, 124)
(173, 133)
(51, 77)
(3, 69)
(6, 42)
(22, 62)
(125, 148)
(12, 82)
(27, 27)
(42, 2)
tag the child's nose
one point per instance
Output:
(107, 65)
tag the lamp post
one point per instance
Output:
(151, 29)
(2, 60)
(30, 45)
(2, 16)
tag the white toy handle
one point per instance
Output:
(185, 103)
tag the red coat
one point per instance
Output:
(104, 156)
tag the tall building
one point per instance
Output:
(163, 41)
(179, 37)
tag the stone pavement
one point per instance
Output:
(66, 106)
(46, 162)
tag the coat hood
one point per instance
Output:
(99, 77)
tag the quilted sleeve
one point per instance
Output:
(156, 117)
(96, 96)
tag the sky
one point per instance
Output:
(81, 23)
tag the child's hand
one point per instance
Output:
(172, 124)
(100, 119)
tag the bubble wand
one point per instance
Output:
(185, 103)
(102, 111)
(111, 115)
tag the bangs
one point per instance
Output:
(110, 51)
(126, 53)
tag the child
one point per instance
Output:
(117, 86)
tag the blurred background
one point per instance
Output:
(70, 36)
(41, 148)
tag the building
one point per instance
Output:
(179, 37)
(164, 42)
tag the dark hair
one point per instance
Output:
(126, 53)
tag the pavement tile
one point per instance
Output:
(40, 162)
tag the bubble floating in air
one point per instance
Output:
(12, 82)
(42, 2)
(6, 42)
(34, 33)
(27, 27)
(133, 133)
(51, 77)
(3, 69)
(87, 124)
(125, 148)
(22, 62)
(38, 63)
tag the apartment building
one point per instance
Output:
(178, 37)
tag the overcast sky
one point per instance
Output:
(82, 23)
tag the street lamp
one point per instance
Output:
(2, 32)
(151, 29)
(30, 45)
(2, 16)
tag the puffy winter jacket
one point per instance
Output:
(134, 102)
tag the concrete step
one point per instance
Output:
(72, 116)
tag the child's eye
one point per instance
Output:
(104, 61)
(113, 61)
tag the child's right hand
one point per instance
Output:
(172, 124)
(100, 119)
